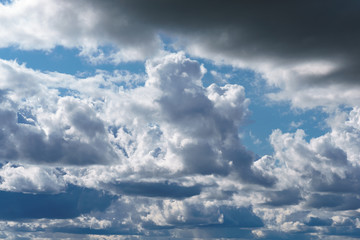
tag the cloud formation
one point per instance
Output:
(159, 154)
(179, 130)
(306, 49)
(71, 204)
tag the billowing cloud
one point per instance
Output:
(105, 139)
(159, 153)
(165, 156)
(318, 176)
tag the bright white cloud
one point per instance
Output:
(31, 179)
(319, 176)
(44, 25)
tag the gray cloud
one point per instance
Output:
(218, 217)
(333, 201)
(27, 143)
(205, 120)
(315, 221)
(283, 197)
(174, 127)
(80, 140)
(72, 203)
(296, 46)
(240, 217)
(155, 189)
(236, 223)
(346, 184)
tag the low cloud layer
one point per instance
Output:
(73, 203)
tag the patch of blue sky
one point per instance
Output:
(168, 41)
(23, 119)
(65, 60)
(4, 2)
(58, 60)
(67, 92)
(268, 117)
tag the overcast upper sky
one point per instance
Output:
(161, 119)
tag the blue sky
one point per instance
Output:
(179, 120)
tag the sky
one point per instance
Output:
(160, 119)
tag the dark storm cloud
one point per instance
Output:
(281, 31)
(155, 189)
(72, 203)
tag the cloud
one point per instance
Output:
(318, 181)
(304, 55)
(72, 203)
(204, 122)
(28, 143)
(51, 23)
(105, 130)
(31, 179)
(314, 221)
(337, 202)
(310, 58)
(190, 215)
(328, 160)
(240, 217)
(102, 136)
(311, 63)
(94, 135)
(39, 126)
(283, 197)
(150, 189)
